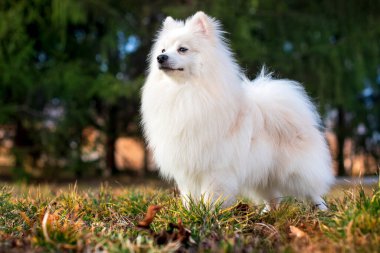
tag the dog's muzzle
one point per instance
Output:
(162, 58)
(164, 64)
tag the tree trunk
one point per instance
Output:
(110, 143)
(22, 148)
(146, 160)
(341, 136)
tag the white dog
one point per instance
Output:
(218, 134)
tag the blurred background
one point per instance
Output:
(71, 73)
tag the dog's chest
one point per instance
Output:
(182, 110)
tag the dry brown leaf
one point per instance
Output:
(182, 235)
(298, 233)
(176, 233)
(149, 216)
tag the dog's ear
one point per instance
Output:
(169, 23)
(201, 23)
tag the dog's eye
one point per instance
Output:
(182, 49)
(163, 51)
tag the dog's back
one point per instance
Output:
(300, 159)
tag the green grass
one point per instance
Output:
(103, 219)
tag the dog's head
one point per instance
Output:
(182, 48)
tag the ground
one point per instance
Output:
(114, 218)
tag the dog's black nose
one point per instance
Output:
(162, 58)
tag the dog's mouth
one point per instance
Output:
(166, 68)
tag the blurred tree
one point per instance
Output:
(60, 63)
(332, 47)
(69, 64)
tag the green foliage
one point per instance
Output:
(356, 220)
(72, 55)
(51, 58)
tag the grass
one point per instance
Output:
(104, 219)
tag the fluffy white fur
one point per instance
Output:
(218, 134)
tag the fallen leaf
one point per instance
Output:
(182, 235)
(175, 233)
(149, 216)
(298, 233)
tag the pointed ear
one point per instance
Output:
(169, 23)
(203, 24)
